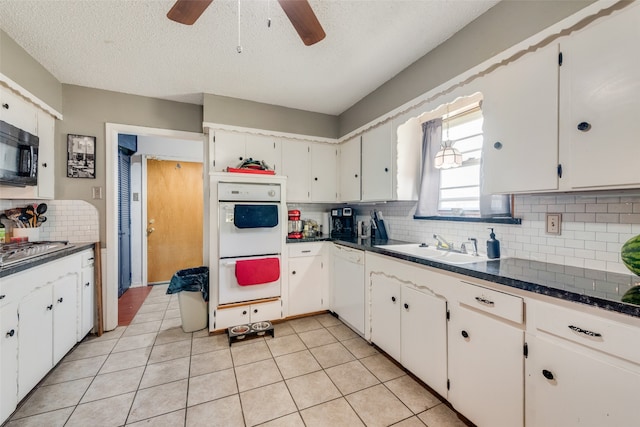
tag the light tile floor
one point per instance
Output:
(315, 372)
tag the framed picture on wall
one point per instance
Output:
(81, 156)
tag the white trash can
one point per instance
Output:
(193, 311)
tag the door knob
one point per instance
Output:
(150, 230)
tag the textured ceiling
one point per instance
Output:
(131, 47)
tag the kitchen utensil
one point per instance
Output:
(41, 219)
(26, 218)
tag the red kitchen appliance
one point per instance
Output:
(295, 225)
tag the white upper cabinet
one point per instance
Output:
(600, 103)
(232, 148)
(46, 155)
(349, 169)
(296, 157)
(324, 166)
(377, 163)
(520, 110)
(17, 111)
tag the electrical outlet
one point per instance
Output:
(96, 192)
(554, 220)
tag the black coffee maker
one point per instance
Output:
(342, 222)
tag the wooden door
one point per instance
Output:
(174, 216)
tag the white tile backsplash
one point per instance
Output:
(594, 228)
(72, 220)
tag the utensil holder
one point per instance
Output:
(32, 234)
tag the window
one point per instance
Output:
(456, 192)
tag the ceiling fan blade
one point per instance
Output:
(303, 20)
(188, 11)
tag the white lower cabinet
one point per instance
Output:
(9, 358)
(48, 318)
(86, 317)
(250, 313)
(308, 277)
(41, 313)
(410, 326)
(568, 386)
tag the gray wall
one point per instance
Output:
(506, 24)
(20, 67)
(239, 112)
(86, 111)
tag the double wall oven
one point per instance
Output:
(250, 238)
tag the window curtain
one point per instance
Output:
(430, 177)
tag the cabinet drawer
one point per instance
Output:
(591, 331)
(304, 249)
(267, 311)
(87, 259)
(499, 304)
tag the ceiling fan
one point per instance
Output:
(299, 12)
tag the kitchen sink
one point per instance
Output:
(431, 253)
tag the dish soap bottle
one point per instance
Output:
(493, 246)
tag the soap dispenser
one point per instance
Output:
(493, 246)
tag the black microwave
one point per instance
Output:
(18, 156)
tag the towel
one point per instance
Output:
(257, 271)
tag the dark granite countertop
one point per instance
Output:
(33, 262)
(597, 288)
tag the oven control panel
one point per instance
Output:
(233, 191)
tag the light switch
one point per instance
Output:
(554, 220)
(136, 197)
(96, 192)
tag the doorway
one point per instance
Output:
(110, 256)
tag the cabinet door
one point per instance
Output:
(568, 386)
(228, 150)
(377, 165)
(324, 161)
(520, 110)
(305, 285)
(232, 316)
(349, 169)
(18, 111)
(385, 314)
(295, 166)
(9, 357)
(600, 76)
(46, 155)
(424, 337)
(35, 340)
(65, 315)
(486, 363)
(87, 303)
(265, 148)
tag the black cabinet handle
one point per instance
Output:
(393, 299)
(50, 307)
(584, 126)
(293, 272)
(584, 331)
(60, 299)
(406, 306)
(239, 158)
(315, 179)
(386, 169)
(255, 310)
(5, 106)
(11, 333)
(547, 374)
(244, 313)
(356, 175)
(87, 284)
(485, 301)
(44, 165)
(497, 145)
(2, 296)
(465, 334)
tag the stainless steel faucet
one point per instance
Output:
(442, 243)
(475, 246)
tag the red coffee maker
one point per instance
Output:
(295, 225)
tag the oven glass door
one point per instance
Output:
(260, 277)
(249, 228)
